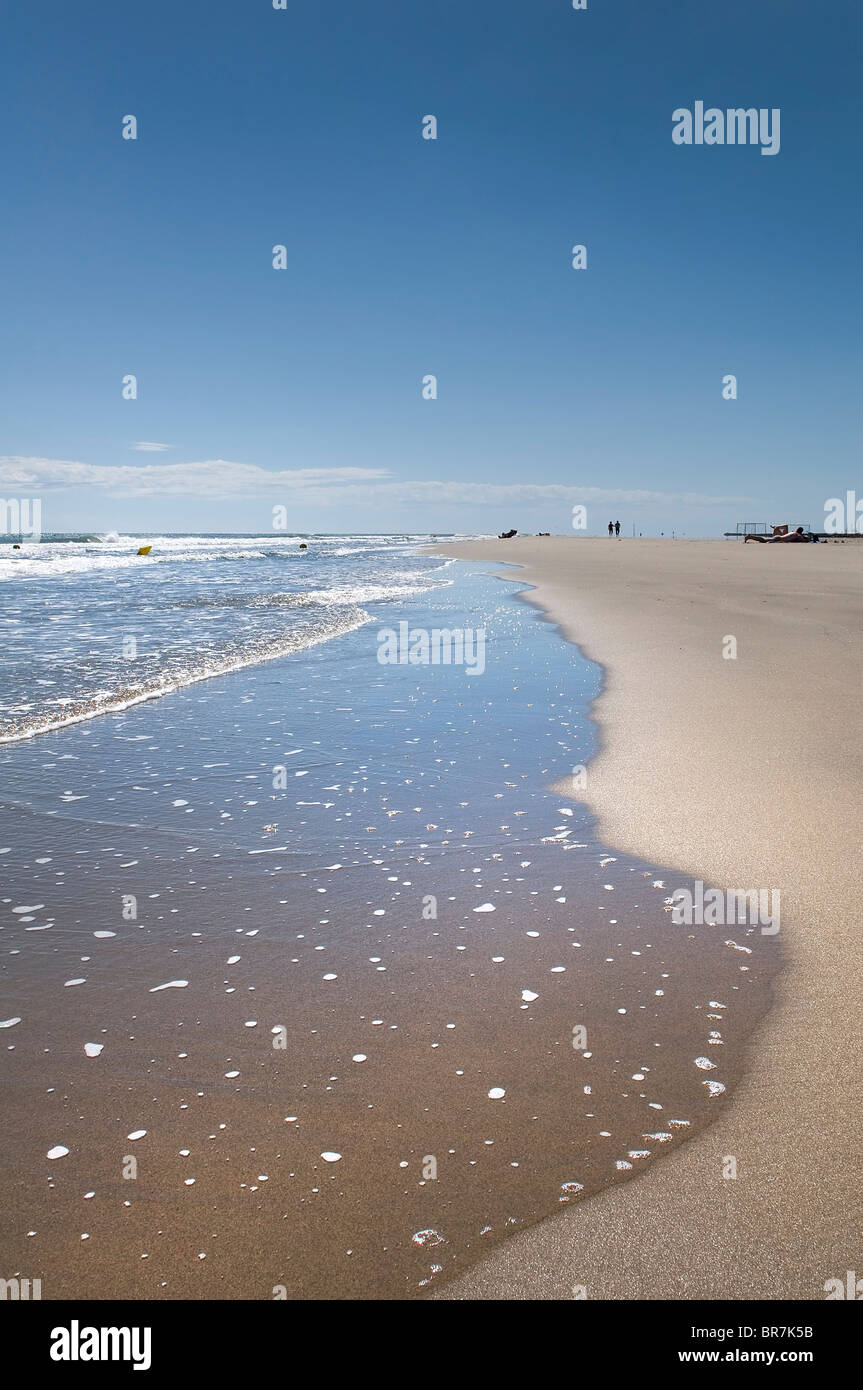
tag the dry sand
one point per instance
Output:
(743, 773)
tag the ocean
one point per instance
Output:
(316, 981)
(89, 625)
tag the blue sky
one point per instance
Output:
(406, 257)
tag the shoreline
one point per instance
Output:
(426, 1003)
(761, 790)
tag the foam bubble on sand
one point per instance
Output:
(58, 1151)
(93, 1049)
(705, 1064)
(232, 960)
(9, 1022)
(484, 907)
(34, 908)
(496, 1093)
(81, 981)
(528, 996)
(172, 984)
(330, 1157)
(359, 1057)
(136, 1134)
(428, 1237)
(714, 1088)
(103, 934)
(570, 1189)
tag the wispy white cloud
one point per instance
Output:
(490, 494)
(220, 478)
(147, 446)
(211, 478)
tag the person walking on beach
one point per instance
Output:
(611, 528)
(617, 528)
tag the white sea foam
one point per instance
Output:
(215, 605)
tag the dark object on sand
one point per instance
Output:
(780, 534)
(507, 535)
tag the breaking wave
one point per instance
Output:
(177, 674)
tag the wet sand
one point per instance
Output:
(331, 1052)
(740, 772)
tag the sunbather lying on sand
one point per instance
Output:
(797, 535)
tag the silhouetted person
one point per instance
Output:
(617, 528)
(611, 528)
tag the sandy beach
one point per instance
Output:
(742, 772)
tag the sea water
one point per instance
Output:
(368, 995)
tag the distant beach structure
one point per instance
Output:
(749, 528)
